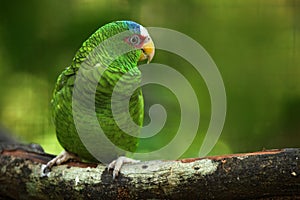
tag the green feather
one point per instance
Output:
(112, 71)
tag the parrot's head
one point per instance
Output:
(140, 39)
(122, 43)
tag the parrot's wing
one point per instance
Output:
(140, 109)
(67, 78)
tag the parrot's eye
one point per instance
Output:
(135, 40)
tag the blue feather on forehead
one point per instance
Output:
(134, 27)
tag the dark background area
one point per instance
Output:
(255, 44)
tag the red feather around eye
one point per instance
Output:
(136, 40)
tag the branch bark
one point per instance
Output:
(271, 174)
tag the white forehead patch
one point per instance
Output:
(144, 31)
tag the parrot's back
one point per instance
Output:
(63, 112)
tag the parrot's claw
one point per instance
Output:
(59, 159)
(117, 164)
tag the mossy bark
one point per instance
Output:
(273, 174)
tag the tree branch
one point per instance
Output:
(272, 174)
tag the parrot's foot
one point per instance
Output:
(59, 159)
(117, 164)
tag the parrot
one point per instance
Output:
(86, 65)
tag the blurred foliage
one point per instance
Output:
(255, 44)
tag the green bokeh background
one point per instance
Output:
(255, 44)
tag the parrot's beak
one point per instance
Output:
(148, 51)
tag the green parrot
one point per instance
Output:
(109, 55)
